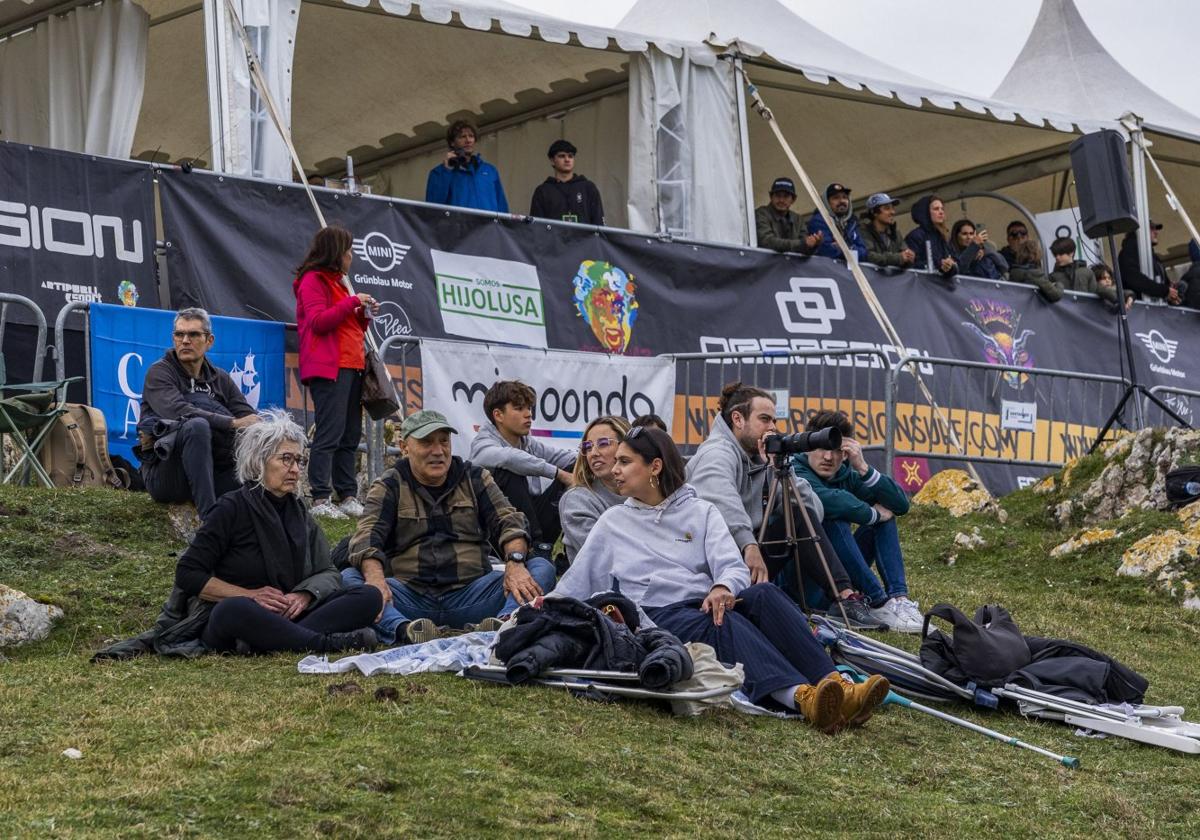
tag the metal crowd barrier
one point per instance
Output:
(59, 347)
(852, 379)
(7, 298)
(376, 430)
(1009, 430)
(1180, 401)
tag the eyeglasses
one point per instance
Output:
(1018, 234)
(602, 443)
(289, 460)
(190, 335)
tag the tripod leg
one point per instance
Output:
(1112, 418)
(817, 545)
(789, 530)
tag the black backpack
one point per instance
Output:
(1178, 480)
(983, 651)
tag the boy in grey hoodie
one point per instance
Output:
(531, 474)
(730, 471)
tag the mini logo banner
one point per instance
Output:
(126, 341)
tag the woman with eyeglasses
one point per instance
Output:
(332, 325)
(670, 552)
(263, 562)
(595, 489)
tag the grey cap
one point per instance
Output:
(423, 423)
(880, 200)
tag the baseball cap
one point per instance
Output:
(835, 187)
(1155, 225)
(561, 146)
(423, 423)
(783, 185)
(880, 200)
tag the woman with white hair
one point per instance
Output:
(263, 560)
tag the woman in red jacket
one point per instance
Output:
(332, 324)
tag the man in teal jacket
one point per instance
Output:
(855, 493)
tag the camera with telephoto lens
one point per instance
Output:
(794, 444)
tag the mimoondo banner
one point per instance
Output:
(233, 246)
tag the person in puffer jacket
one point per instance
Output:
(670, 552)
(603, 634)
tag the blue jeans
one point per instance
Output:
(877, 545)
(470, 604)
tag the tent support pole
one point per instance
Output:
(751, 237)
(216, 62)
(1141, 191)
(851, 258)
(1172, 198)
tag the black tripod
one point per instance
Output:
(781, 486)
(1135, 388)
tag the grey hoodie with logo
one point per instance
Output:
(532, 458)
(657, 555)
(724, 474)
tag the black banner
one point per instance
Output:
(75, 228)
(233, 246)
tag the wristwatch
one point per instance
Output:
(515, 557)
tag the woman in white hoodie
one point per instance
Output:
(671, 553)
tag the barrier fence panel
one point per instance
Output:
(58, 349)
(8, 298)
(406, 378)
(1001, 414)
(853, 380)
(1178, 399)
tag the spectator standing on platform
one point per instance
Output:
(531, 474)
(189, 414)
(1157, 285)
(1073, 275)
(464, 178)
(977, 257)
(779, 227)
(837, 198)
(332, 325)
(1028, 269)
(931, 237)
(879, 234)
(1104, 280)
(1014, 234)
(1191, 298)
(566, 196)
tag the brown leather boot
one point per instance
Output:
(822, 704)
(861, 699)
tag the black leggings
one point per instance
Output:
(264, 631)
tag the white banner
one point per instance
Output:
(490, 299)
(572, 388)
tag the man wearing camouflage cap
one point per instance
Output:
(425, 537)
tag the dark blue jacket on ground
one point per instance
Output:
(829, 248)
(476, 186)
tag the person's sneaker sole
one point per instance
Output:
(421, 630)
(877, 693)
(488, 625)
(829, 701)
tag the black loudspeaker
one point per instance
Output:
(1106, 201)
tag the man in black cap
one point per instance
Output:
(837, 197)
(565, 196)
(1158, 284)
(778, 227)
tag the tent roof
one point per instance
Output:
(1063, 67)
(758, 27)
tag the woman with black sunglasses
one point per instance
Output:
(671, 553)
(595, 490)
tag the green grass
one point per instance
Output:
(233, 747)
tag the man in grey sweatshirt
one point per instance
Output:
(730, 470)
(531, 474)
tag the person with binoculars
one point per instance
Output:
(730, 470)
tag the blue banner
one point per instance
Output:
(126, 341)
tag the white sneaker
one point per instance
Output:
(328, 509)
(911, 608)
(351, 507)
(898, 618)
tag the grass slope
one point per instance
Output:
(238, 747)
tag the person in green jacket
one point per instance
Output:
(1074, 275)
(885, 245)
(1028, 269)
(853, 492)
(778, 227)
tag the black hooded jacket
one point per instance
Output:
(170, 393)
(927, 232)
(576, 200)
(568, 633)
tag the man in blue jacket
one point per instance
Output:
(463, 178)
(837, 197)
(853, 492)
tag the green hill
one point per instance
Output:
(228, 746)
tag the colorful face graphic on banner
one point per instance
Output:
(128, 293)
(1004, 342)
(606, 299)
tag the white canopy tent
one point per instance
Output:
(1064, 67)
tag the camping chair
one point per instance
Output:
(27, 418)
(597, 685)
